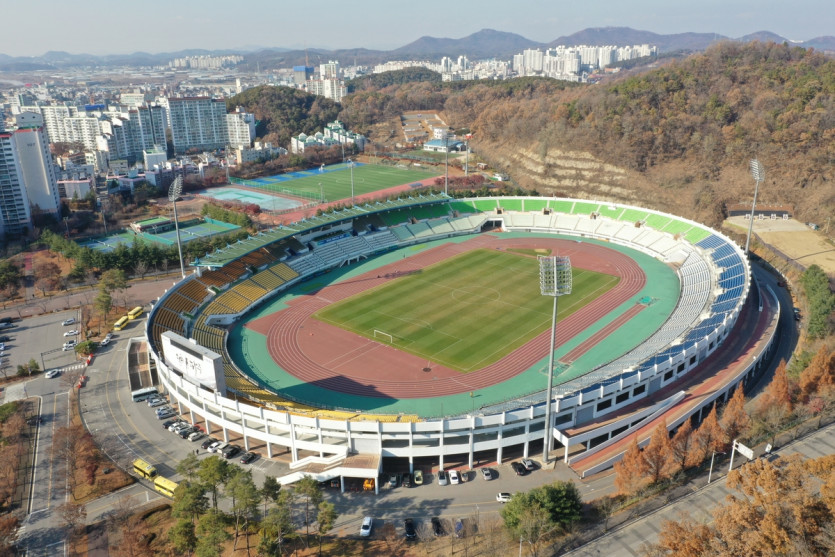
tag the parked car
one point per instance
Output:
(518, 468)
(407, 480)
(528, 464)
(163, 410)
(69, 345)
(248, 457)
(5, 338)
(443, 479)
(230, 451)
(365, 529)
(454, 478)
(195, 436)
(106, 340)
(52, 373)
(409, 525)
(418, 477)
(71, 333)
(208, 443)
(165, 415)
(218, 447)
(169, 423)
(70, 321)
(503, 497)
(394, 480)
(437, 529)
(185, 432)
(178, 426)
(487, 474)
(154, 402)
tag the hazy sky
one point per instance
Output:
(108, 27)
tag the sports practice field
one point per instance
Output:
(334, 182)
(465, 312)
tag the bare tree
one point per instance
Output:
(72, 514)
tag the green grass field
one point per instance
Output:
(466, 312)
(336, 185)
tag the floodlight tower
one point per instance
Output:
(758, 172)
(351, 166)
(554, 280)
(174, 192)
(446, 162)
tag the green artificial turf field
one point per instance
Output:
(466, 312)
(336, 185)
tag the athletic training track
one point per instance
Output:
(344, 362)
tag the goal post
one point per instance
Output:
(382, 334)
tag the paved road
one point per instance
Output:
(628, 540)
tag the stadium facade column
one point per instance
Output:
(499, 452)
(472, 428)
(292, 432)
(223, 425)
(441, 443)
(350, 437)
(319, 429)
(411, 447)
(527, 439)
(267, 436)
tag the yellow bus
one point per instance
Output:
(144, 469)
(121, 323)
(165, 486)
(135, 312)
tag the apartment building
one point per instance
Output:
(198, 123)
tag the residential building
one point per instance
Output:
(241, 127)
(154, 157)
(259, 152)
(15, 214)
(335, 130)
(37, 171)
(198, 123)
(301, 74)
(332, 88)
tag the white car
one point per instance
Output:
(52, 373)
(454, 478)
(195, 436)
(365, 529)
(503, 497)
(70, 321)
(69, 345)
(72, 333)
(158, 401)
(443, 477)
(106, 340)
(528, 464)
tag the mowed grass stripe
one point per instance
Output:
(465, 312)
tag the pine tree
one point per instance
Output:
(630, 472)
(735, 420)
(658, 454)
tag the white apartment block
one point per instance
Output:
(198, 123)
(259, 152)
(241, 127)
(37, 171)
(569, 63)
(333, 89)
(15, 214)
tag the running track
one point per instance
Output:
(340, 361)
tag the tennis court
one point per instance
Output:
(338, 181)
(188, 232)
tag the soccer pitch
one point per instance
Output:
(336, 184)
(466, 312)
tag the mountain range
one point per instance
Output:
(487, 43)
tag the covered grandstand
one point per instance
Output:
(714, 286)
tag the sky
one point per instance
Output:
(107, 27)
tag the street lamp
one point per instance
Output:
(758, 172)
(709, 474)
(174, 192)
(554, 280)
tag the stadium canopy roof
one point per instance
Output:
(231, 252)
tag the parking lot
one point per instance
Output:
(41, 339)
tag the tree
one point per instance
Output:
(657, 455)
(8, 533)
(630, 472)
(735, 420)
(188, 466)
(270, 490)
(818, 373)
(308, 490)
(778, 391)
(103, 303)
(277, 524)
(710, 436)
(326, 518)
(48, 276)
(182, 536)
(72, 514)
(681, 446)
(190, 501)
(213, 471)
(245, 498)
(211, 533)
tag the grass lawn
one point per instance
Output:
(466, 312)
(337, 184)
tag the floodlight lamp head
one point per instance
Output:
(175, 189)
(757, 170)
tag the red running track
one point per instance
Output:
(345, 362)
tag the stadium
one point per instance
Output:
(414, 329)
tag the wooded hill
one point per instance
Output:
(677, 138)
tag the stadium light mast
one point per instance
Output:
(554, 280)
(758, 172)
(446, 162)
(174, 191)
(351, 166)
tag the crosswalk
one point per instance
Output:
(74, 367)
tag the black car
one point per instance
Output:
(437, 529)
(169, 423)
(407, 480)
(208, 442)
(518, 468)
(5, 338)
(409, 524)
(230, 451)
(186, 431)
(248, 457)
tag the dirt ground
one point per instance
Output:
(793, 238)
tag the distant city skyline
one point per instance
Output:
(101, 27)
